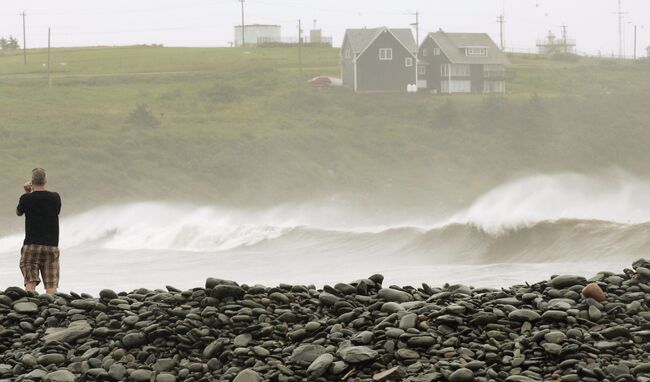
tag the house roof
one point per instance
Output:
(452, 45)
(360, 39)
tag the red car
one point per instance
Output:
(325, 81)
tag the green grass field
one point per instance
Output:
(243, 127)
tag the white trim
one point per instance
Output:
(355, 76)
(495, 55)
(408, 62)
(345, 39)
(385, 29)
(387, 54)
(483, 51)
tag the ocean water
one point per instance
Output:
(522, 231)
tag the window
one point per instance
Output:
(436, 51)
(422, 69)
(447, 70)
(494, 71)
(494, 87)
(476, 51)
(424, 52)
(408, 62)
(456, 86)
(348, 54)
(386, 54)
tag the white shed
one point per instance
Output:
(257, 34)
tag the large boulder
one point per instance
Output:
(357, 354)
(223, 291)
(394, 295)
(307, 353)
(320, 365)
(76, 330)
(247, 375)
(565, 281)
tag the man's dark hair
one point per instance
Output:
(38, 177)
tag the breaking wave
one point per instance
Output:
(541, 218)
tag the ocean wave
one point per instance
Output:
(549, 217)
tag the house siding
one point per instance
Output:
(347, 66)
(374, 75)
(432, 75)
(476, 72)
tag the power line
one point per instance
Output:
(125, 31)
(116, 12)
(285, 4)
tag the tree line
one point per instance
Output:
(9, 43)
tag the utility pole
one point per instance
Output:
(243, 27)
(300, 46)
(49, 60)
(564, 37)
(416, 25)
(634, 42)
(502, 20)
(417, 28)
(24, 40)
(621, 44)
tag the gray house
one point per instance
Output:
(378, 60)
(461, 63)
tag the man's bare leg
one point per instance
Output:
(51, 290)
(30, 287)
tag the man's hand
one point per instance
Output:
(28, 187)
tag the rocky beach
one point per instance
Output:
(567, 328)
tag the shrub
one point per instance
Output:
(142, 116)
(447, 115)
(567, 57)
(222, 93)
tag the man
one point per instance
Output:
(40, 252)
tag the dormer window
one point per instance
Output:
(476, 51)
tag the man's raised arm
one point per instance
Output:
(20, 211)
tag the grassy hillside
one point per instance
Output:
(243, 127)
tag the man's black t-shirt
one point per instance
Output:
(41, 209)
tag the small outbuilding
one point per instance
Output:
(256, 34)
(461, 63)
(379, 60)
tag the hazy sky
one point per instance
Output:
(210, 22)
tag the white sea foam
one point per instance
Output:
(565, 218)
(521, 203)
(528, 201)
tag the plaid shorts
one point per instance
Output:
(40, 258)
